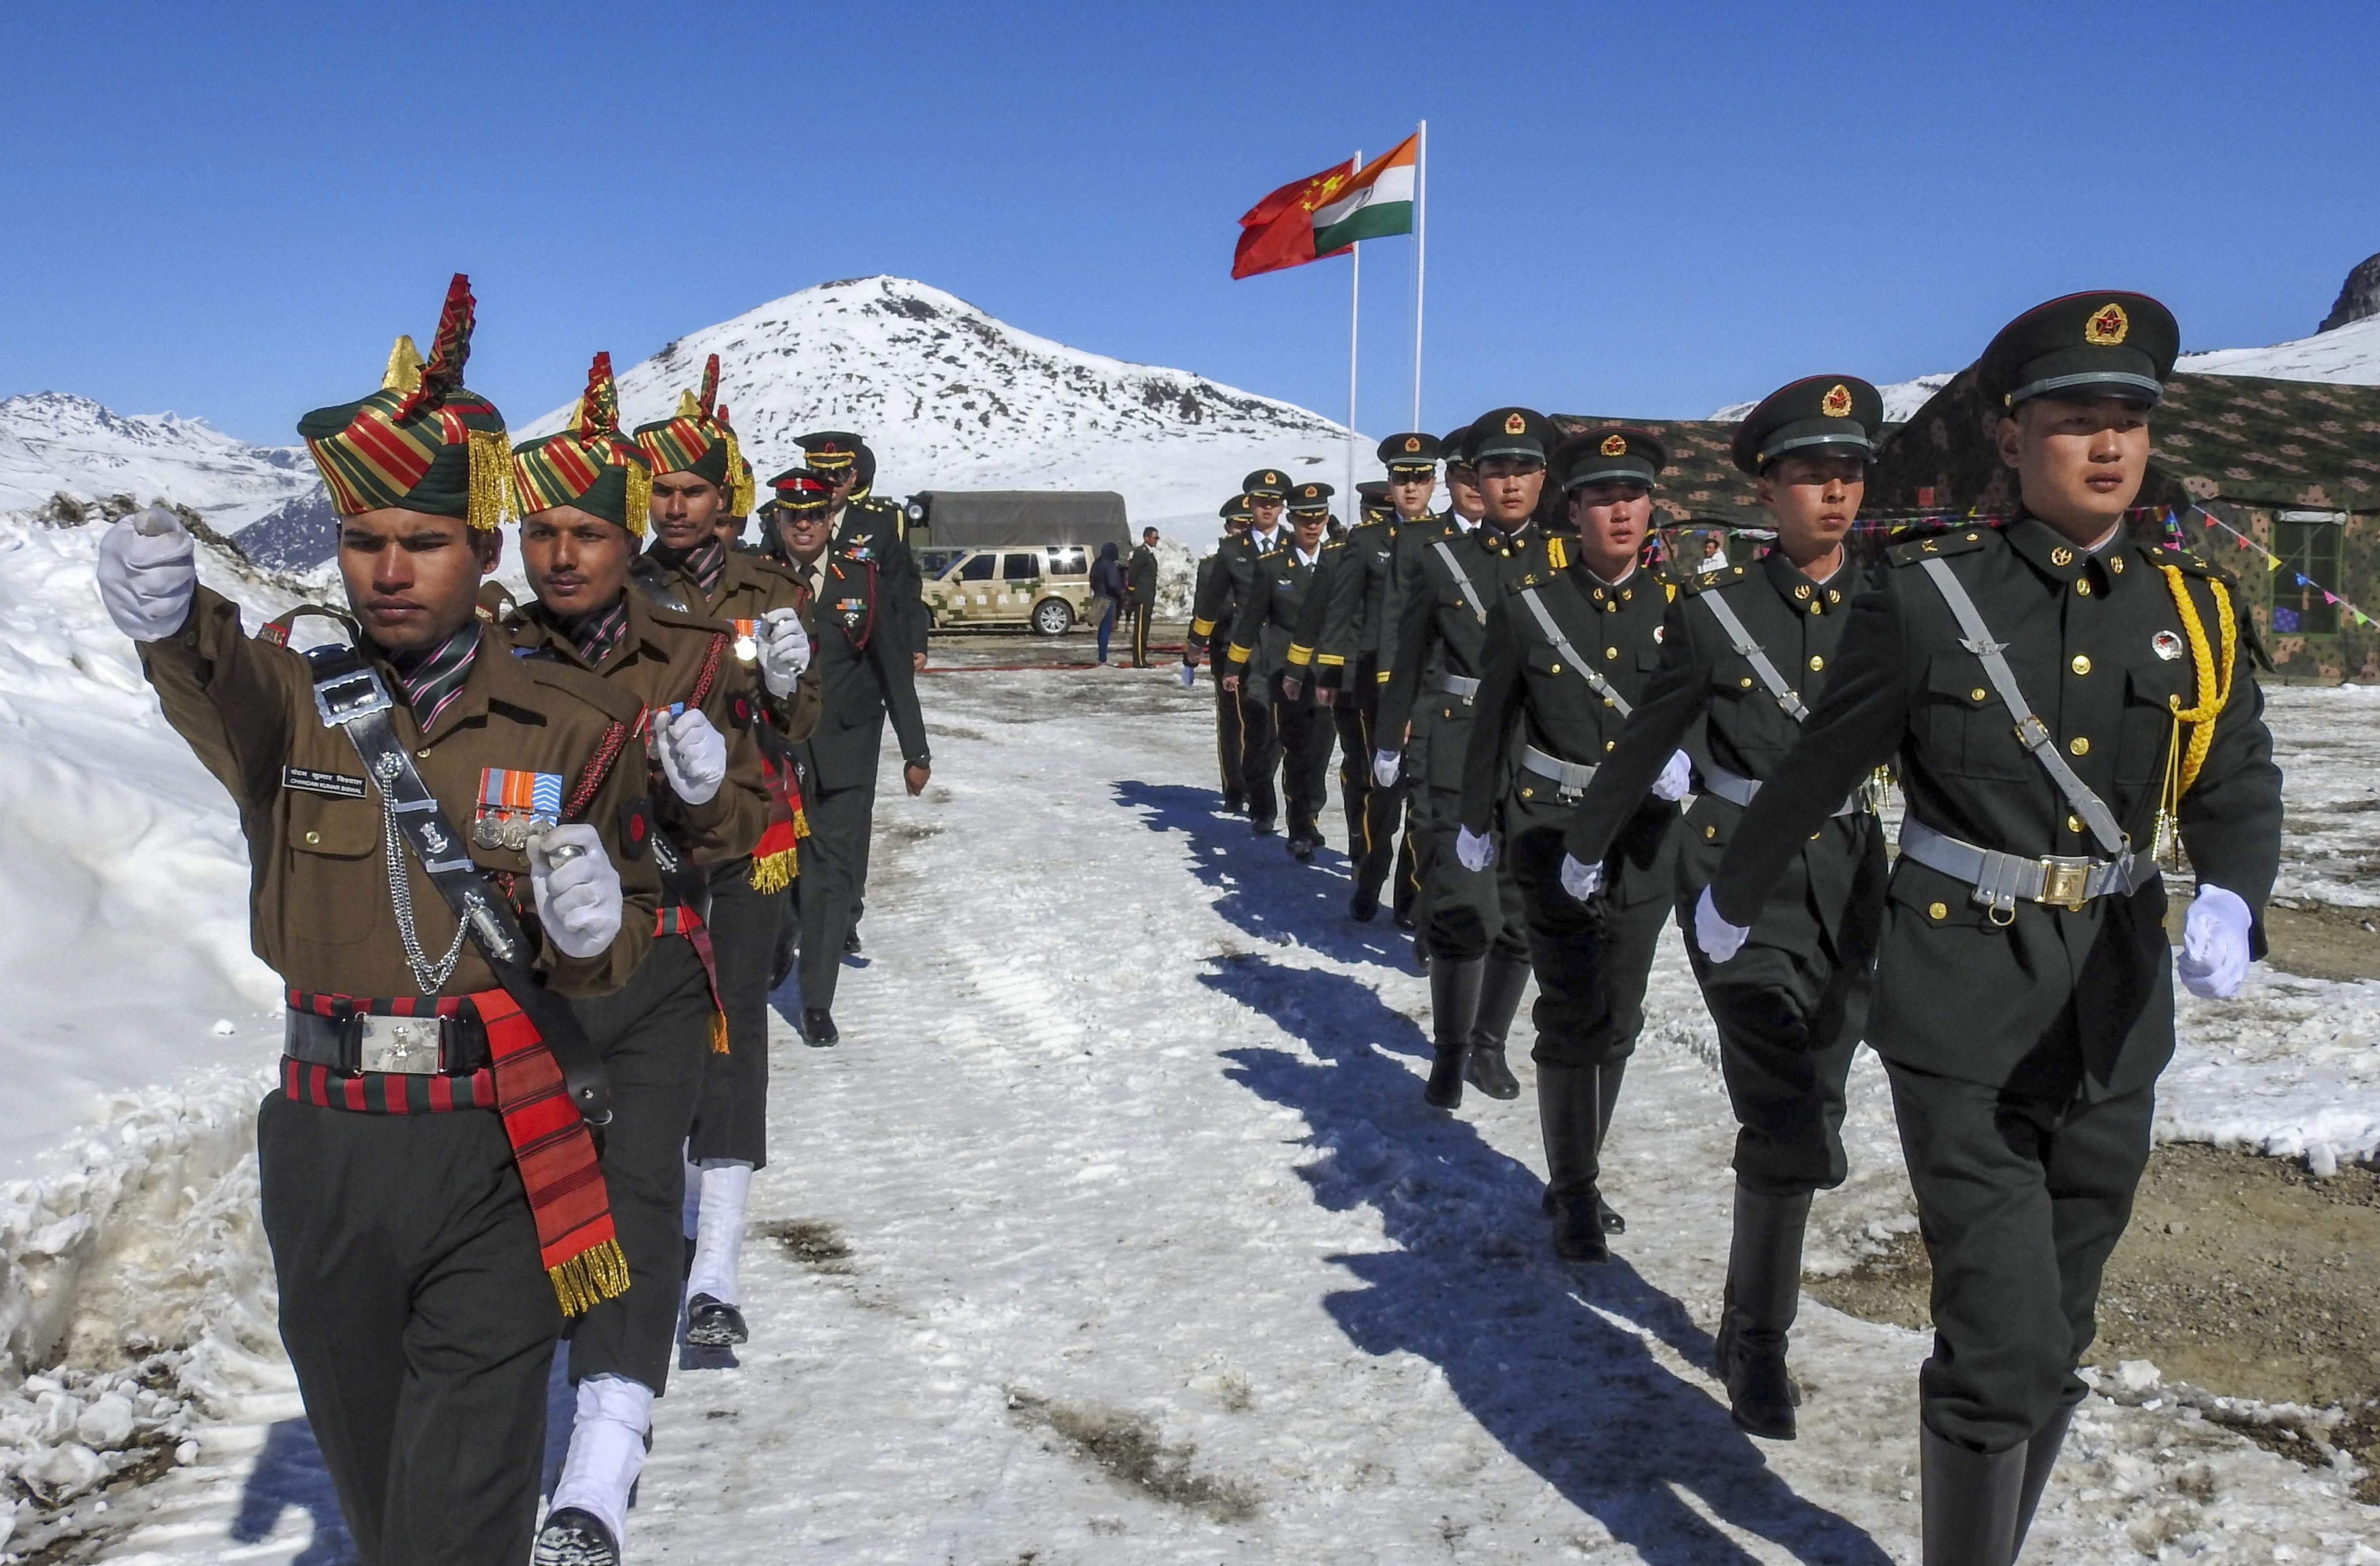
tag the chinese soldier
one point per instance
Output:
(864, 674)
(447, 841)
(1213, 606)
(1569, 647)
(1288, 730)
(698, 476)
(584, 503)
(1237, 566)
(1140, 585)
(2063, 704)
(1474, 932)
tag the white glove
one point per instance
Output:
(1476, 849)
(1718, 939)
(692, 753)
(1582, 882)
(785, 651)
(1675, 779)
(147, 569)
(1188, 675)
(1385, 765)
(577, 888)
(2214, 944)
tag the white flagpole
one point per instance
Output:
(1354, 308)
(1421, 253)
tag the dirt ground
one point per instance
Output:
(2320, 941)
(2239, 1274)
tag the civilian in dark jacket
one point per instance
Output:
(1107, 593)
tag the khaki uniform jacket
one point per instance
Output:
(319, 904)
(749, 586)
(658, 660)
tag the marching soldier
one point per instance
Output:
(1745, 651)
(586, 499)
(1570, 647)
(1474, 930)
(1287, 728)
(863, 674)
(446, 842)
(1411, 486)
(1215, 604)
(699, 475)
(2063, 704)
(1237, 562)
(1141, 586)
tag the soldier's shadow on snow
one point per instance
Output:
(1265, 891)
(1556, 1363)
(288, 1475)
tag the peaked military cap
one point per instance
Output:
(830, 451)
(1311, 497)
(697, 438)
(589, 465)
(422, 442)
(2105, 345)
(800, 489)
(1412, 449)
(1374, 495)
(1456, 447)
(1511, 432)
(1609, 455)
(1266, 483)
(1236, 509)
(1817, 416)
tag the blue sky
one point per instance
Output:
(1648, 210)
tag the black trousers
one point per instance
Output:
(1591, 959)
(833, 875)
(731, 1119)
(654, 1032)
(1230, 740)
(1261, 746)
(1305, 733)
(1405, 894)
(1141, 614)
(419, 1321)
(1469, 913)
(2019, 1199)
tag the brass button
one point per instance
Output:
(1709, 832)
(2073, 823)
(2082, 586)
(1610, 744)
(2080, 745)
(1527, 792)
(1557, 669)
(1745, 683)
(1610, 653)
(1817, 662)
(1938, 911)
(2080, 665)
(1977, 694)
(1817, 609)
(2116, 563)
(1972, 536)
(313, 837)
(423, 753)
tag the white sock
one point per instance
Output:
(719, 1230)
(607, 1449)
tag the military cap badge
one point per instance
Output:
(2106, 326)
(1413, 443)
(1615, 445)
(1514, 424)
(1837, 403)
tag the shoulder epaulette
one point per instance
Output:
(2193, 561)
(276, 630)
(1705, 581)
(1957, 542)
(613, 701)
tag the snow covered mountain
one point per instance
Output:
(949, 397)
(53, 442)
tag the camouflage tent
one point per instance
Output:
(1700, 484)
(2292, 465)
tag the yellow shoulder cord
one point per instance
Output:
(2213, 687)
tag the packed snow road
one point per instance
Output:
(1115, 1231)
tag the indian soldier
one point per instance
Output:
(1141, 587)
(1264, 667)
(585, 501)
(446, 842)
(1569, 648)
(699, 475)
(1214, 604)
(864, 673)
(2063, 704)
(1475, 934)
(1744, 652)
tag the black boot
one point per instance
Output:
(1971, 1501)
(2040, 1457)
(1566, 1116)
(1499, 998)
(818, 1027)
(714, 1324)
(1764, 1290)
(573, 1537)
(1364, 904)
(1606, 1094)
(1453, 1010)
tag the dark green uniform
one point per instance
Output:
(1232, 587)
(1295, 737)
(1140, 589)
(2023, 1005)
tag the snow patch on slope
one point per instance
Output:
(53, 443)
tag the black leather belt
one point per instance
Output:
(355, 1042)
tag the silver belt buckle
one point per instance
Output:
(2065, 882)
(401, 1046)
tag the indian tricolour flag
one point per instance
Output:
(1378, 200)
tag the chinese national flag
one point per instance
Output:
(1278, 232)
